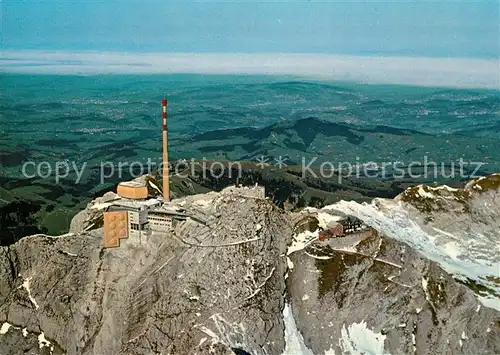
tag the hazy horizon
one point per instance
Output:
(419, 71)
(439, 43)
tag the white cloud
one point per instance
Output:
(449, 72)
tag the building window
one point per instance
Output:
(134, 226)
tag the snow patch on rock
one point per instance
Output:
(325, 218)
(423, 193)
(294, 342)
(42, 342)
(26, 286)
(5, 328)
(451, 253)
(301, 241)
(358, 339)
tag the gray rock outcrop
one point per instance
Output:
(343, 293)
(163, 296)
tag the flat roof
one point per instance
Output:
(126, 202)
(132, 184)
(163, 210)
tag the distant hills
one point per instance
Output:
(311, 137)
(48, 206)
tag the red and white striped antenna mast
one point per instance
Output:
(166, 178)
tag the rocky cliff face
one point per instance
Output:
(244, 277)
(374, 295)
(164, 296)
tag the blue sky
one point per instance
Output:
(388, 28)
